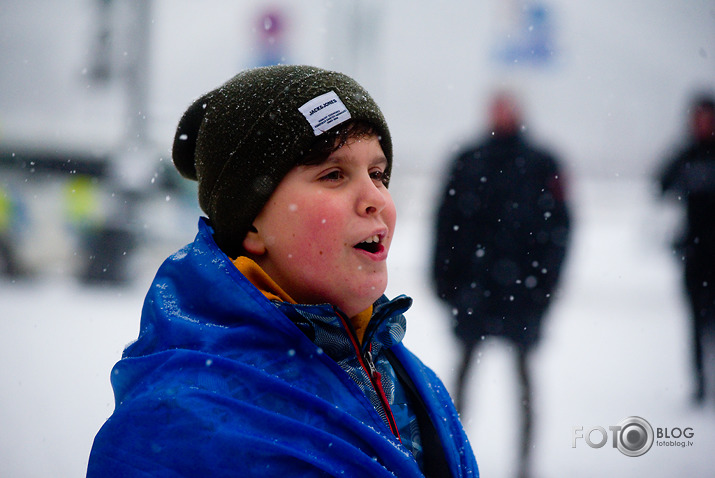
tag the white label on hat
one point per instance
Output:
(325, 111)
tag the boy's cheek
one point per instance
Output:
(323, 219)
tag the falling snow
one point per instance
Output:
(615, 345)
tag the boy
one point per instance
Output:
(267, 347)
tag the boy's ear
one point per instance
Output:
(253, 242)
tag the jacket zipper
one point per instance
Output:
(375, 377)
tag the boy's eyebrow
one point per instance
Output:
(337, 158)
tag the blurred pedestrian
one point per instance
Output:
(101, 230)
(11, 218)
(501, 237)
(690, 177)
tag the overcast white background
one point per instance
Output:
(610, 103)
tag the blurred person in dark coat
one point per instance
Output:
(12, 217)
(501, 239)
(690, 176)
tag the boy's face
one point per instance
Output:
(325, 232)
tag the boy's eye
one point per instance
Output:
(331, 176)
(380, 176)
(337, 175)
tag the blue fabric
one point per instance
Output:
(220, 383)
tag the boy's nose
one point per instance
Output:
(371, 199)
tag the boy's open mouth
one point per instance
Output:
(371, 244)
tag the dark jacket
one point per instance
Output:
(691, 175)
(501, 236)
(222, 382)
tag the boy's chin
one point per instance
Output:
(373, 296)
(362, 303)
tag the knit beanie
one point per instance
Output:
(239, 140)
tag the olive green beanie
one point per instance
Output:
(239, 140)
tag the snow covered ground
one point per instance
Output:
(615, 346)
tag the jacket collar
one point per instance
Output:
(323, 325)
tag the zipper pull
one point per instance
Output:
(370, 364)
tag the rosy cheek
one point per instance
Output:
(325, 231)
(322, 216)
